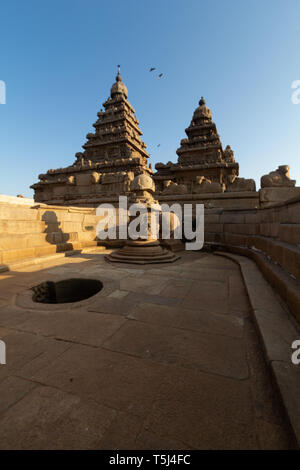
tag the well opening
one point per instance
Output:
(66, 291)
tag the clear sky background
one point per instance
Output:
(59, 59)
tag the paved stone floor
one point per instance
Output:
(165, 357)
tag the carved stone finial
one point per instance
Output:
(118, 77)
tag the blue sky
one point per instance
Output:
(58, 60)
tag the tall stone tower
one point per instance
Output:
(113, 155)
(200, 155)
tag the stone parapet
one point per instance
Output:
(269, 196)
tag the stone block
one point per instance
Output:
(293, 213)
(71, 227)
(273, 195)
(21, 226)
(45, 250)
(90, 219)
(8, 212)
(211, 218)
(14, 255)
(232, 218)
(72, 217)
(86, 236)
(252, 218)
(213, 227)
(289, 233)
(269, 229)
(245, 229)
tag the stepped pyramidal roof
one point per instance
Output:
(203, 145)
(113, 155)
(202, 161)
(117, 133)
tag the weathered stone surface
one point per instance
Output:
(204, 185)
(13, 389)
(177, 378)
(203, 166)
(241, 184)
(288, 380)
(175, 346)
(278, 178)
(116, 380)
(203, 295)
(113, 155)
(196, 320)
(46, 419)
(268, 196)
(75, 326)
(192, 416)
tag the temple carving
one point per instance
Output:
(203, 166)
(113, 155)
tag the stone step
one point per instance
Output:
(34, 261)
(28, 240)
(22, 226)
(14, 258)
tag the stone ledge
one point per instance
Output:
(32, 261)
(286, 286)
(46, 253)
(200, 196)
(20, 201)
(277, 331)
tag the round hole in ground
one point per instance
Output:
(68, 290)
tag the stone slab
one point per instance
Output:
(47, 418)
(118, 381)
(213, 353)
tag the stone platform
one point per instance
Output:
(164, 357)
(142, 252)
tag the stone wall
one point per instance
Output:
(270, 236)
(31, 231)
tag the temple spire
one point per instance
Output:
(118, 77)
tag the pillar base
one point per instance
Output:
(142, 252)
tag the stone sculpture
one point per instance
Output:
(278, 178)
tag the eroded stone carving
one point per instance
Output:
(200, 155)
(241, 184)
(205, 185)
(113, 155)
(171, 187)
(278, 178)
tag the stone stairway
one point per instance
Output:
(31, 232)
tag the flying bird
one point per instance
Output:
(152, 68)
(158, 145)
(160, 75)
